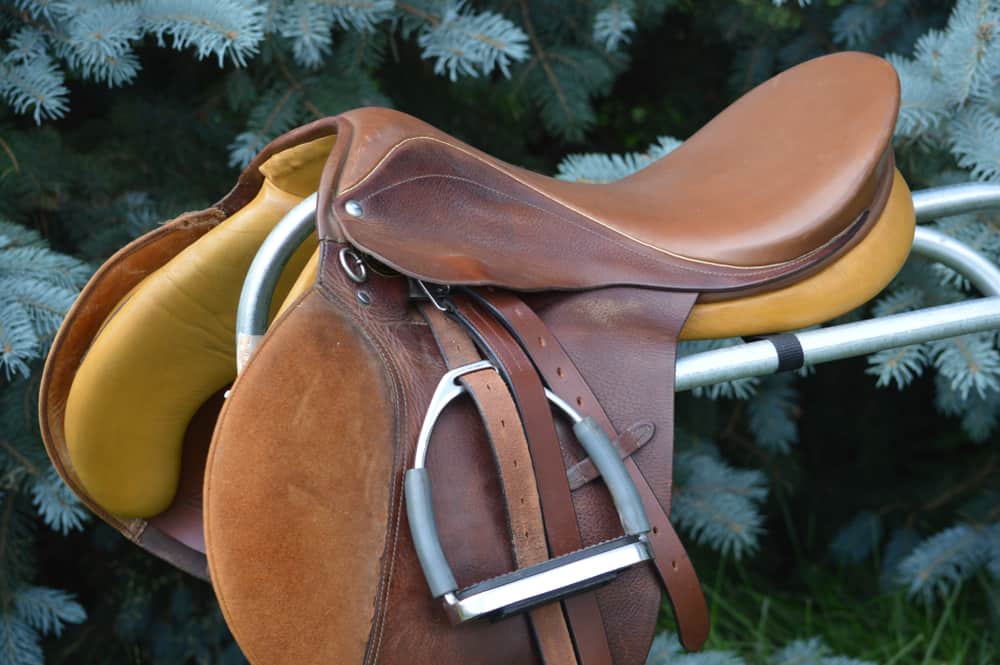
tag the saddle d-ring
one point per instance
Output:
(545, 582)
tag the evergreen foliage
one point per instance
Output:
(107, 130)
(666, 650)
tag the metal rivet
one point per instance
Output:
(354, 208)
(353, 265)
(364, 298)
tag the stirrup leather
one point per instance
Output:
(551, 580)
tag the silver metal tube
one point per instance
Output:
(982, 273)
(263, 275)
(938, 202)
(864, 337)
(747, 360)
(843, 341)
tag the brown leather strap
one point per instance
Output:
(561, 527)
(627, 442)
(503, 427)
(561, 374)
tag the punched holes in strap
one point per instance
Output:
(672, 563)
(541, 583)
(503, 428)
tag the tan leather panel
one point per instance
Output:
(297, 492)
(297, 169)
(774, 176)
(112, 281)
(849, 282)
(161, 355)
(622, 338)
(108, 287)
(305, 281)
(168, 345)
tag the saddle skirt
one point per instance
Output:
(286, 486)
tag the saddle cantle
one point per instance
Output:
(784, 211)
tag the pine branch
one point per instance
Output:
(858, 539)
(18, 341)
(597, 167)
(34, 87)
(466, 43)
(968, 362)
(360, 15)
(56, 504)
(943, 562)
(717, 505)
(99, 42)
(975, 140)
(811, 652)
(230, 29)
(899, 366)
(613, 24)
(275, 113)
(309, 26)
(48, 610)
(19, 643)
(772, 413)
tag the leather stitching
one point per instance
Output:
(401, 457)
(743, 270)
(496, 168)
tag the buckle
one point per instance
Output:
(548, 581)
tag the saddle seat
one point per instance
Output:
(799, 166)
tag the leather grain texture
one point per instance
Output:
(562, 527)
(502, 423)
(642, 326)
(842, 285)
(725, 211)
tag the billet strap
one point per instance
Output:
(561, 528)
(562, 376)
(510, 448)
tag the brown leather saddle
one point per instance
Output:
(454, 442)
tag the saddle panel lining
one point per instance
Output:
(123, 424)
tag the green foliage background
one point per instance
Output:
(830, 485)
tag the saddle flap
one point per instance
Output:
(788, 175)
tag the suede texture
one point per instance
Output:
(297, 491)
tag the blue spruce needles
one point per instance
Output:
(464, 42)
(37, 286)
(943, 562)
(718, 505)
(227, 29)
(613, 24)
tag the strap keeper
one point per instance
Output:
(629, 441)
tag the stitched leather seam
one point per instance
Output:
(402, 454)
(743, 270)
(207, 492)
(496, 168)
(103, 273)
